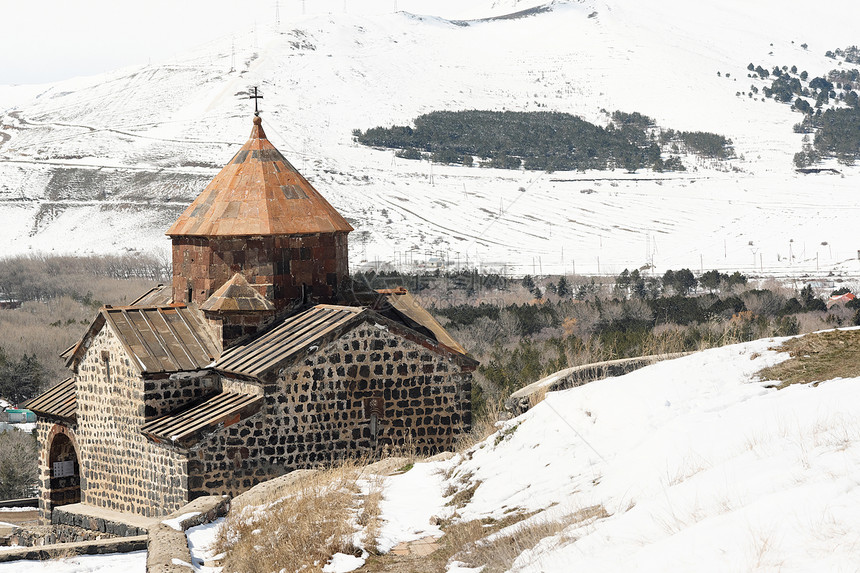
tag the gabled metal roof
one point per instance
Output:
(405, 304)
(60, 401)
(162, 338)
(188, 424)
(158, 339)
(258, 193)
(159, 295)
(285, 339)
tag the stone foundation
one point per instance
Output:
(50, 534)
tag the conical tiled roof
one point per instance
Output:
(258, 193)
(236, 295)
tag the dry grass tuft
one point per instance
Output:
(302, 529)
(817, 357)
(497, 553)
(463, 496)
(369, 517)
(484, 426)
(538, 396)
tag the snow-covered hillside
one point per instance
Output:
(103, 164)
(687, 465)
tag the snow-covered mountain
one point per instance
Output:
(105, 163)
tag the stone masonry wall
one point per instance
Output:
(319, 409)
(50, 534)
(282, 268)
(230, 461)
(229, 327)
(163, 395)
(121, 469)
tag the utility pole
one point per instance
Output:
(233, 54)
(648, 247)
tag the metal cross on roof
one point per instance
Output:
(256, 97)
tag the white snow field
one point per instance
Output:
(105, 163)
(134, 562)
(699, 466)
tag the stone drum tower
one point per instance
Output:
(260, 217)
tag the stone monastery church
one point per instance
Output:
(262, 357)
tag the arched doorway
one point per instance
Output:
(65, 480)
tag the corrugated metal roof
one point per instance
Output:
(258, 193)
(189, 424)
(162, 338)
(285, 339)
(60, 401)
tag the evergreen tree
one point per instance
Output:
(711, 280)
(21, 380)
(637, 284)
(622, 281)
(736, 278)
(810, 301)
(669, 279)
(563, 288)
(685, 281)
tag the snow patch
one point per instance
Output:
(176, 522)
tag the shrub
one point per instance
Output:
(408, 153)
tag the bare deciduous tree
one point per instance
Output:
(19, 469)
